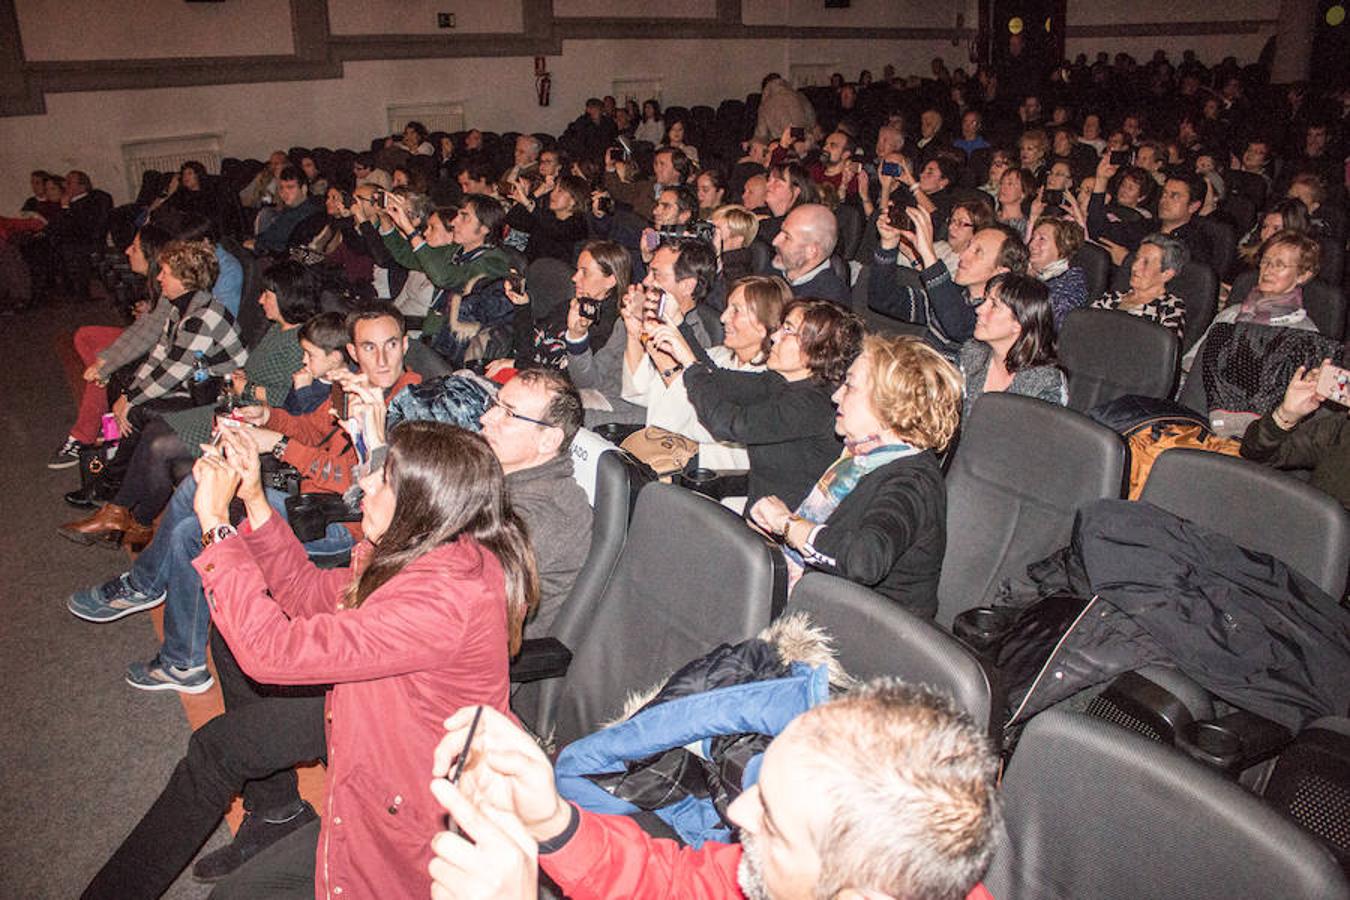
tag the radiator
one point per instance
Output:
(168, 155)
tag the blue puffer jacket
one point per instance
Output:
(762, 707)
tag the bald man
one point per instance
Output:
(802, 253)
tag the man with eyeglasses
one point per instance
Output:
(530, 426)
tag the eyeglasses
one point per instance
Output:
(1278, 265)
(494, 403)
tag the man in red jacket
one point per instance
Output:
(885, 792)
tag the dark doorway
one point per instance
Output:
(1331, 44)
(1038, 25)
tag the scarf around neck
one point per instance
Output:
(1264, 309)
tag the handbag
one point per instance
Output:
(662, 449)
(309, 514)
(93, 460)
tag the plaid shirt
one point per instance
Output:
(204, 326)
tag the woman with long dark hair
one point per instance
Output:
(1013, 349)
(422, 624)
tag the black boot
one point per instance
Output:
(95, 493)
(257, 832)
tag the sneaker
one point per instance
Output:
(111, 601)
(256, 833)
(156, 675)
(68, 455)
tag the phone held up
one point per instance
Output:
(1334, 383)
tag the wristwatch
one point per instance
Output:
(217, 533)
(279, 448)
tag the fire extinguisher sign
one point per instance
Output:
(540, 67)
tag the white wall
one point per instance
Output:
(636, 9)
(1209, 48)
(148, 29)
(419, 17)
(862, 13)
(86, 130)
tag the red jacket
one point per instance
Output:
(610, 856)
(430, 640)
(319, 448)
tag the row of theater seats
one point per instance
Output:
(1094, 810)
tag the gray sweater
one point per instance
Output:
(136, 340)
(558, 517)
(1042, 382)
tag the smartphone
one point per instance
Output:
(516, 281)
(890, 169)
(1120, 157)
(379, 198)
(340, 407)
(798, 134)
(627, 147)
(588, 309)
(1334, 384)
(651, 240)
(1053, 197)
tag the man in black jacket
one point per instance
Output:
(802, 252)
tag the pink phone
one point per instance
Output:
(1334, 384)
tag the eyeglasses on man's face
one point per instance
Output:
(494, 403)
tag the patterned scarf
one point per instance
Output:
(1261, 308)
(838, 481)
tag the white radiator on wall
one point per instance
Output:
(168, 155)
(639, 89)
(447, 117)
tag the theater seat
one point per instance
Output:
(1108, 354)
(664, 605)
(1096, 265)
(1020, 472)
(873, 636)
(1094, 811)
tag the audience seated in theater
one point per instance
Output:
(1013, 348)
(602, 274)
(999, 164)
(78, 230)
(1283, 215)
(755, 195)
(365, 171)
(1286, 438)
(1124, 219)
(1053, 243)
(1159, 259)
(837, 166)
(671, 168)
(555, 222)
(653, 128)
(591, 134)
(877, 516)
(326, 459)
(1016, 191)
(674, 140)
(972, 133)
(290, 297)
(192, 191)
(802, 253)
(675, 208)
(948, 309)
(679, 277)
(885, 746)
(262, 189)
(199, 334)
(783, 416)
(1286, 262)
(735, 229)
(104, 348)
(787, 187)
(452, 249)
(294, 206)
(711, 187)
(753, 313)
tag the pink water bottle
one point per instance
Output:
(108, 428)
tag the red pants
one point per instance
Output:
(91, 398)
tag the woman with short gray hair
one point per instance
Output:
(1159, 259)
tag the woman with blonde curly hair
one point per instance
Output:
(878, 516)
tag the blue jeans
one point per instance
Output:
(166, 565)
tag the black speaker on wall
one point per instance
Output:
(838, 4)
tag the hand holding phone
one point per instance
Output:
(1333, 382)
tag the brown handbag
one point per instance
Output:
(664, 450)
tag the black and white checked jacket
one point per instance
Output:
(203, 327)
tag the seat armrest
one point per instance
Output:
(1233, 742)
(540, 659)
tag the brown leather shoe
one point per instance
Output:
(109, 521)
(138, 536)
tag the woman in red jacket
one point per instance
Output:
(423, 623)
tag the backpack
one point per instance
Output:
(1151, 426)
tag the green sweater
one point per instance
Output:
(447, 267)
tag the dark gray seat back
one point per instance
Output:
(1108, 354)
(1094, 810)
(1096, 265)
(873, 636)
(1259, 508)
(1022, 469)
(691, 575)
